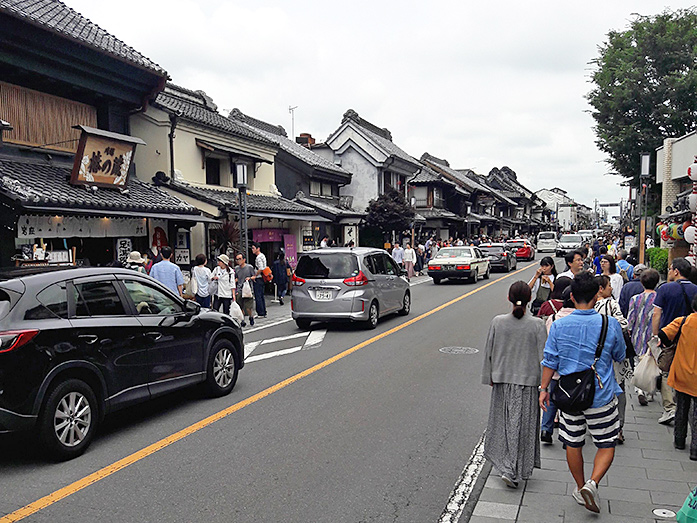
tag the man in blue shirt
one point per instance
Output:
(571, 348)
(631, 289)
(167, 273)
(622, 263)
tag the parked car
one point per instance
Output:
(77, 344)
(524, 249)
(587, 235)
(568, 243)
(348, 284)
(547, 241)
(459, 262)
(500, 256)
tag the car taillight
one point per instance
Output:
(504, 254)
(11, 340)
(463, 267)
(434, 267)
(357, 280)
(297, 282)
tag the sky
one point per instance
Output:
(481, 84)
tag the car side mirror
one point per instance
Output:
(192, 307)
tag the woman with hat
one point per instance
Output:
(226, 281)
(135, 262)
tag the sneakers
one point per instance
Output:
(251, 320)
(510, 483)
(589, 492)
(667, 417)
(280, 300)
(578, 498)
(546, 437)
(642, 400)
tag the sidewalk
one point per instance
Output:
(647, 474)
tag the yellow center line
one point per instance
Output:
(121, 464)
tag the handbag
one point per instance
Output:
(192, 285)
(667, 355)
(247, 290)
(575, 392)
(266, 274)
(646, 373)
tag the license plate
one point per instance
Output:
(323, 295)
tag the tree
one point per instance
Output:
(389, 212)
(645, 83)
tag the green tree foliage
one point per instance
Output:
(390, 212)
(645, 83)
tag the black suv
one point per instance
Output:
(76, 344)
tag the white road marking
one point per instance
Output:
(315, 339)
(428, 279)
(465, 484)
(279, 322)
(268, 355)
(284, 338)
(249, 348)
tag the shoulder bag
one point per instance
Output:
(575, 392)
(667, 355)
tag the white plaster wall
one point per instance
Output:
(152, 127)
(684, 151)
(364, 182)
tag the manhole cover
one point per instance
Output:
(663, 513)
(459, 350)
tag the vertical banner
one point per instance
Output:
(290, 244)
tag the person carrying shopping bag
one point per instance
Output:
(225, 278)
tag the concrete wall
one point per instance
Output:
(364, 182)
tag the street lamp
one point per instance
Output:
(241, 178)
(643, 178)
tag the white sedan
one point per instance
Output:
(459, 262)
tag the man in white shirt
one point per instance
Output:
(259, 264)
(574, 261)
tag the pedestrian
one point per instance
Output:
(609, 269)
(633, 258)
(630, 289)
(548, 416)
(640, 314)
(135, 262)
(571, 347)
(225, 278)
(602, 251)
(649, 242)
(542, 283)
(324, 243)
(512, 368)
(574, 264)
(683, 376)
(420, 258)
(259, 264)
(624, 265)
(203, 277)
(555, 302)
(280, 270)
(398, 254)
(244, 273)
(673, 300)
(167, 273)
(409, 260)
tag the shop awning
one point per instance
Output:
(216, 147)
(282, 216)
(121, 214)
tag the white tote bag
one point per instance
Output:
(646, 373)
(236, 312)
(247, 290)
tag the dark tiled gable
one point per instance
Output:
(196, 107)
(46, 185)
(57, 17)
(443, 165)
(278, 130)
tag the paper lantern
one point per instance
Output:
(664, 234)
(690, 234)
(659, 228)
(674, 231)
(692, 171)
(693, 202)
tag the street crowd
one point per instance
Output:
(573, 344)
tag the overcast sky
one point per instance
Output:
(482, 84)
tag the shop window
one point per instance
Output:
(97, 298)
(212, 171)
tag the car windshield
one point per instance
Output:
(331, 265)
(491, 248)
(571, 238)
(546, 236)
(455, 253)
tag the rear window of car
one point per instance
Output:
(455, 253)
(331, 265)
(516, 243)
(546, 236)
(571, 238)
(491, 248)
(5, 304)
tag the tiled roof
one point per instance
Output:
(426, 175)
(230, 199)
(197, 107)
(295, 149)
(58, 18)
(45, 185)
(382, 137)
(435, 212)
(444, 167)
(339, 212)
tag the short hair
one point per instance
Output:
(200, 259)
(166, 252)
(602, 250)
(649, 278)
(560, 284)
(682, 266)
(622, 254)
(256, 245)
(569, 257)
(611, 261)
(603, 280)
(519, 295)
(584, 287)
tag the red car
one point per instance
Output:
(524, 250)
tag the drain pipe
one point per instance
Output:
(172, 127)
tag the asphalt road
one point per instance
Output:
(379, 434)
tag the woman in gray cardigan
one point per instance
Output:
(514, 349)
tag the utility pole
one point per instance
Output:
(291, 110)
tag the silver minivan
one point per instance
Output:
(547, 241)
(348, 284)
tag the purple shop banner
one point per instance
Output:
(268, 235)
(290, 244)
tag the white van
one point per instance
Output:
(547, 241)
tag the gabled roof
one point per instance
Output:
(426, 175)
(277, 135)
(443, 166)
(333, 210)
(45, 185)
(381, 137)
(508, 180)
(58, 18)
(197, 107)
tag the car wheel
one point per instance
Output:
(373, 315)
(475, 277)
(68, 421)
(436, 281)
(486, 274)
(303, 324)
(406, 305)
(222, 368)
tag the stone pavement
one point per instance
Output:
(647, 474)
